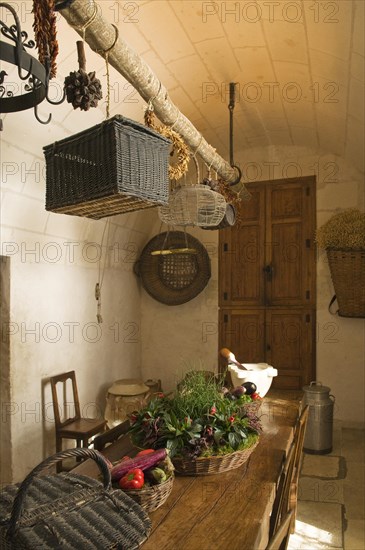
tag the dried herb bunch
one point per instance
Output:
(345, 230)
(45, 32)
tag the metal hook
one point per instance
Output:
(59, 101)
(37, 116)
(238, 179)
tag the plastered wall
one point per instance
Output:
(54, 263)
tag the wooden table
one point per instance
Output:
(228, 511)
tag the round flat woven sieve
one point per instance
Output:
(174, 267)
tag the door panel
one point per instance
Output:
(289, 338)
(243, 331)
(242, 255)
(267, 280)
(285, 285)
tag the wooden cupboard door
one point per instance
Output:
(290, 250)
(290, 337)
(243, 332)
(242, 255)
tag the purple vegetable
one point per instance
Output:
(240, 390)
(143, 462)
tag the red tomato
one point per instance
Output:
(255, 396)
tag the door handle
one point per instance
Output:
(269, 270)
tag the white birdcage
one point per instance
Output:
(196, 205)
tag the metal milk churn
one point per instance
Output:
(318, 435)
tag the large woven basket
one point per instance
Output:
(152, 497)
(70, 511)
(114, 167)
(213, 464)
(348, 276)
(177, 277)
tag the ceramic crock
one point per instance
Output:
(124, 397)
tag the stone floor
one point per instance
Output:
(331, 496)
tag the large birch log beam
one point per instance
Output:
(101, 37)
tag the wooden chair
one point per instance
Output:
(281, 503)
(287, 491)
(101, 441)
(71, 426)
(298, 442)
(280, 539)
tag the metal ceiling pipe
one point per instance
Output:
(101, 37)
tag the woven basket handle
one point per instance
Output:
(18, 504)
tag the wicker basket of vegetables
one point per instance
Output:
(147, 478)
(206, 429)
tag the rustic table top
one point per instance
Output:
(224, 511)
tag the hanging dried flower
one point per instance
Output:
(178, 146)
(83, 90)
(45, 32)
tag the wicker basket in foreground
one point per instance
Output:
(213, 464)
(348, 276)
(152, 497)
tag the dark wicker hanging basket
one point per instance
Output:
(114, 167)
(174, 267)
(348, 276)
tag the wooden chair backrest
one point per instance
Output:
(63, 378)
(287, 488)
(281, 502)
(299, 437)
(281, 538)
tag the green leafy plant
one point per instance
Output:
(197, 420)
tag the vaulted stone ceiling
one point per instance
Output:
(298, 65)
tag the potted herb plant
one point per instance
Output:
(343, 238)
(205, 426)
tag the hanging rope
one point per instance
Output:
(101, 271)
(105, 54)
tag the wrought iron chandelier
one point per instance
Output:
(34, 74)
